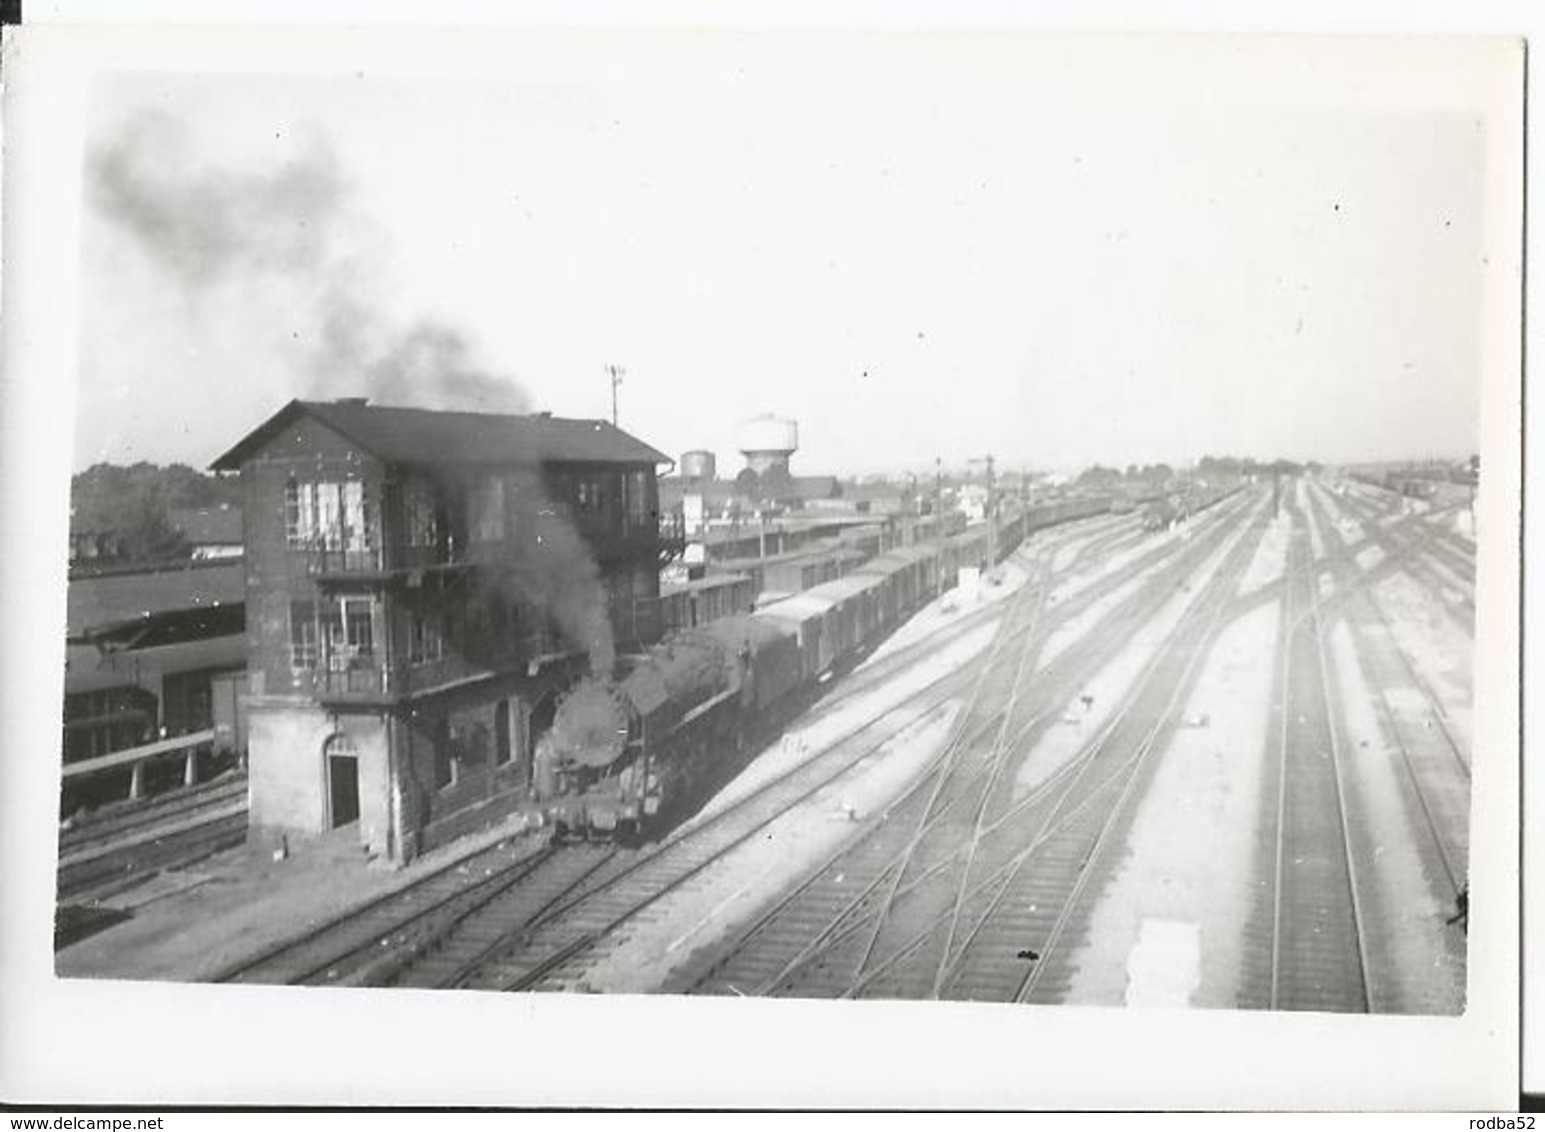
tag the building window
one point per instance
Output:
(540, 637)
(348, 628)
(488, 509)
(298, 518)
(359, 625)
(502, 746)
(426, 642)
(328, 515)
(445, 770)
(635, 492)
(418, 505)
(303, 635)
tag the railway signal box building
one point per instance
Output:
(420, 587)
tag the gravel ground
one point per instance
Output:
(1115, 563)
(248, 902)
(1186, 865)
(1266, 566)
(1424, 974)
(940, 612)
(1064, 739)
(1369, 558)
(799, 744)
(1438, 648)
(751, 877)
(1075, 627)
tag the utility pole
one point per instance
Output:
(992, 514)
(938, 506)
(616, 373)
(992, 508)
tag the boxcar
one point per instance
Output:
(687, 605)
(770, 655)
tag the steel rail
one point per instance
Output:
(1209, 610)
(1302, 566)
(1030, 647)
(1073, 769)
(837, 922)
(1396, 728)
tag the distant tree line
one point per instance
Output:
(1157, 475)
(133, 504)
(775, 484)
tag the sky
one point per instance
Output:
(910, 271)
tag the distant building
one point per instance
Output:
(212, 532)
(90, 546)
(421, 586)
(153, 653)
(971, 501)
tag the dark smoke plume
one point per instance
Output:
(553, 570)
(204, 225)
(221, 236)
(294, 227)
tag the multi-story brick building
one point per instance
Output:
(420, 588)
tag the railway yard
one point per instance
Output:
(1223, 764)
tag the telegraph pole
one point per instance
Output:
(992, 515)
(991, 509)
(938, 505)
(616, 373)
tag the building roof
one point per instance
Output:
(873, 490)
(89, 670)
(694, 585)
(894, 560)
(208, 526)
(675, 488)
(817, 487)
(428, 436)
(113, 598)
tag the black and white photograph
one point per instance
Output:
(944, 527)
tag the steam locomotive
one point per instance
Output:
(627, 753)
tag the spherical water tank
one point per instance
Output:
(697, 465)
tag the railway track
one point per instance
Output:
(1436, 716)
(1457, 560)
(405, 936)
(338, 950)
(1436, 771)
(1010, 936)
(525, 953)
(882, 918)
(1310, 949)
(1414, 555)
(874, 672)
(458, 934)
(517, 950)
(125, 819)
(819, 930)
(95, 873)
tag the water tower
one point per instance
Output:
(697, 465)
(768, 441)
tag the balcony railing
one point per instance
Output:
(357, 679)
(332, 561)
(333, 556)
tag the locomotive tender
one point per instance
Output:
(625, 751)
